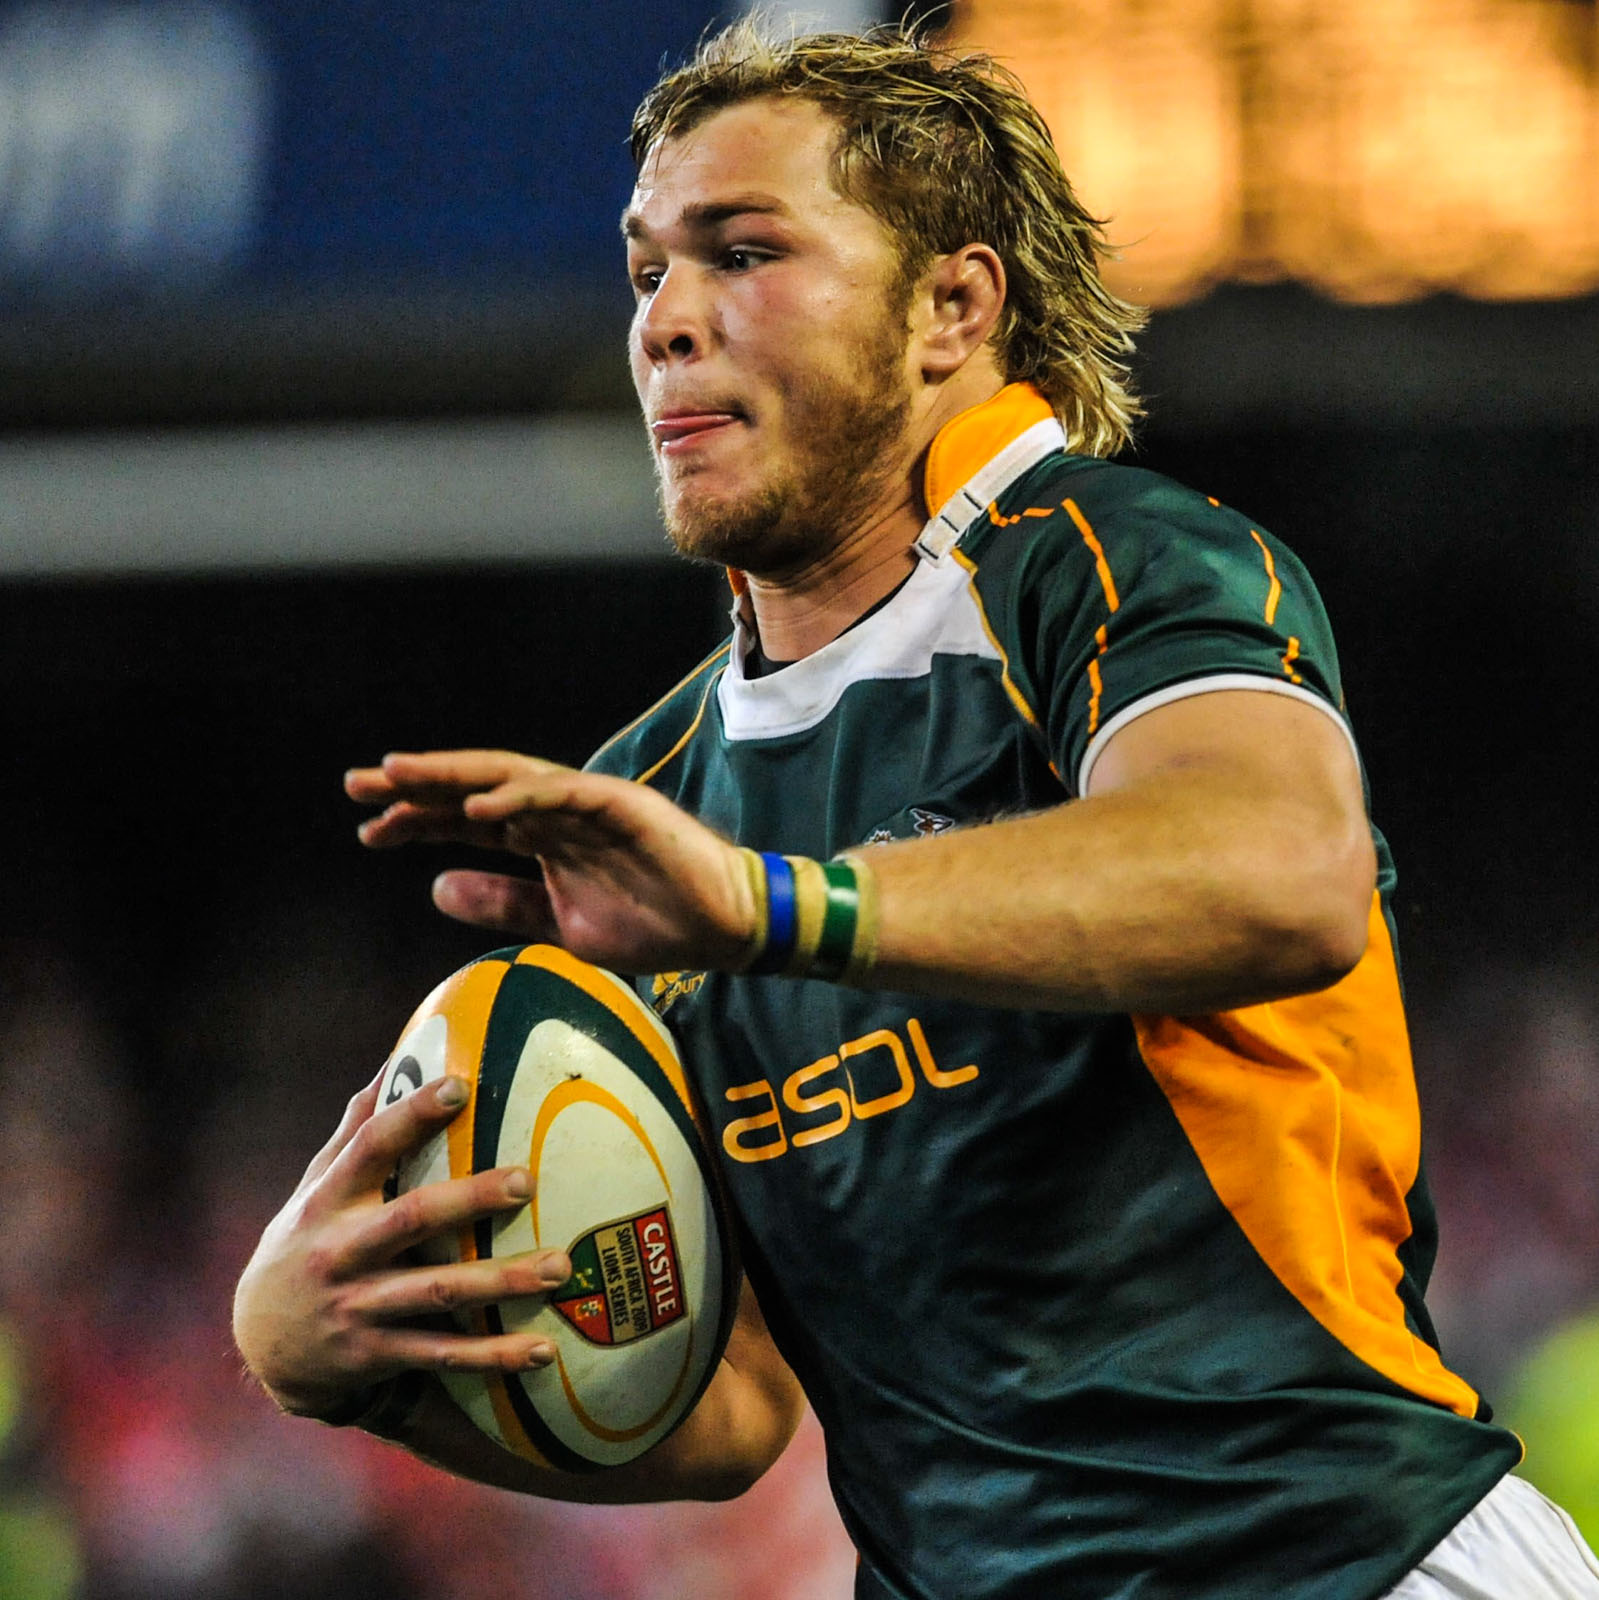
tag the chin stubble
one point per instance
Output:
(842, 445)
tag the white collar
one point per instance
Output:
(931, 614)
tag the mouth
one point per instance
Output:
(676, 432)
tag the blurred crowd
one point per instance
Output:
(144, 1146)
(136, 1460)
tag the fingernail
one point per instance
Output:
(518, 1186)
(555, 1270)
(452, 1093)
(541, 1355)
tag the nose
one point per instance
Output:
(672, 322)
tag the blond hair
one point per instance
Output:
(945, 149)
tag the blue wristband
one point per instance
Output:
(782, 919)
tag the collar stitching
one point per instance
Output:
(944, 530)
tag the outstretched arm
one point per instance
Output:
(1223, 857)
(329, 1306)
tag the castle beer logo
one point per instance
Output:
(625, 1280)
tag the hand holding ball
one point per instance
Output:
(570, 1074)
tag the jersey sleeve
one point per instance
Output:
(1130, 600)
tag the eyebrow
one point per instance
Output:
(709, 214)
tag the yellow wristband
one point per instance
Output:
(863, 949)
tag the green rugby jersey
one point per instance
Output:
(1088, 1306)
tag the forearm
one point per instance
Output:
(740, 1426)
(441, 1434)
(1178, 899)
(1223, 857)
(694, 1463)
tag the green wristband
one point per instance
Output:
(839, 920)
(814, 919)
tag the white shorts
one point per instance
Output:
(1514, 1545)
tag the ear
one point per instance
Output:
(963, 294)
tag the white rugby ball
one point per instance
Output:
(572, 1076)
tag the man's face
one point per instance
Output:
(769, 342)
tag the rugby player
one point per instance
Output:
(1008, 881)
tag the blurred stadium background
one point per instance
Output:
(316, 440)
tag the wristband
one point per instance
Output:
(814, 919)
(778, 937)
(755, 871)
(863, 938)
(842, 923)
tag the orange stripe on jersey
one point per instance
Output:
(1101, 565)
(1017, 698)
(998, 517)
(1303, 1113)
(1000, 520)
(1275, 592)
(1095, 682)
(1290, 656)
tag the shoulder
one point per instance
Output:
(1077, 537)
(650, 740)
(1085, 510)
(1104, 584)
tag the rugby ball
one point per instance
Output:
(571, 1075)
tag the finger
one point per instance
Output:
(438, 1351)
(386, 1138)
(435, 776)
(449, 774)
(425, 1213)
(406, 822)
(462, 1286)
(360, 1108)
(369, 785)
(548, 788)
(495, 900)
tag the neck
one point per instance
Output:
(799, 610)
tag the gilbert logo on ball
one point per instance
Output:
(573, 1076)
